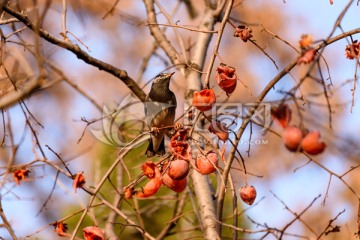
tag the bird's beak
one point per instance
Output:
(171, 74)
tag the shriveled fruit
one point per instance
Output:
(292, 137)
(204, 100)
(311, 143)
(178, 169)
(248, 194)
(93, 233)
(226, 78)
(207, 164)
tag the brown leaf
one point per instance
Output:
(281, 114)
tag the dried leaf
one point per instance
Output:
(79, 181)
(20, 175)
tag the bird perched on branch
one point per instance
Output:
(160, 107)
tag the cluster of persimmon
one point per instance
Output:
(90, 232)
(226, 78)
(204, 100)
(172, 172)
(296, 139)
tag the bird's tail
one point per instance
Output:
(150, 152)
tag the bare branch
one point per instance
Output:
(159, 36)
(217, 43)
(81, 54)
(6, 222)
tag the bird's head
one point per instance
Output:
(163, 79)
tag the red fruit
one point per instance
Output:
(206, 164)
(150, 188)
(248, 194)
(226, 78)
(93, 233)
(204, 99)
(311, 143)
(292, 137)
(178, 169)
(175, 185)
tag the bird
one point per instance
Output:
(160, 109)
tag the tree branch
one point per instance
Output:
(159, 36)
(6, 222)
(81, 54)
(193, 77)
(217, 43)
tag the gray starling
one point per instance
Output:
(160, 107)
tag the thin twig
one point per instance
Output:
(263, 50)
(63, 17)
(6, 222)
(184, 27)
(81, 54)
(217, 43)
